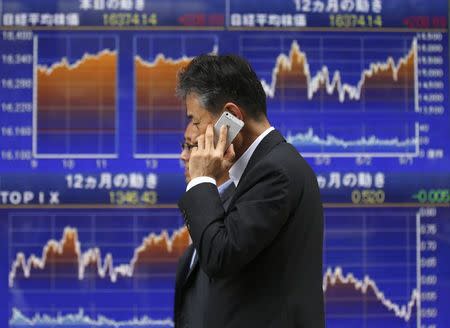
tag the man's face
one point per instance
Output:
(198, 115)
(187, 145)
(199, 118)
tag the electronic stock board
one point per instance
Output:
(90, 142)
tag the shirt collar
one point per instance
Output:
(224, 186)
(238, 168)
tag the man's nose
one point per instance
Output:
(184, 155)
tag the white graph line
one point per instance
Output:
(49, 70)
(91, 256)
(322, 78)
(332, 278)
(80, 318)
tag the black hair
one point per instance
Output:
(217, 80)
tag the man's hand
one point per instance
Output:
(209, 160)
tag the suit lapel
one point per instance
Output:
(271, 140)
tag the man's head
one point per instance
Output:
(211, 84)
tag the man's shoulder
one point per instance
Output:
(286, 158)
(277, 158)
(280, 149)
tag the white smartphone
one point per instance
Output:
(234, 126)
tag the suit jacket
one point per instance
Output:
(263, 254)
(191, 283)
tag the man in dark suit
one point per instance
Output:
(191, 283)
(263, 254)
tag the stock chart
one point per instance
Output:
(76, 97)
(90, 144)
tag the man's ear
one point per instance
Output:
(235, 110)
